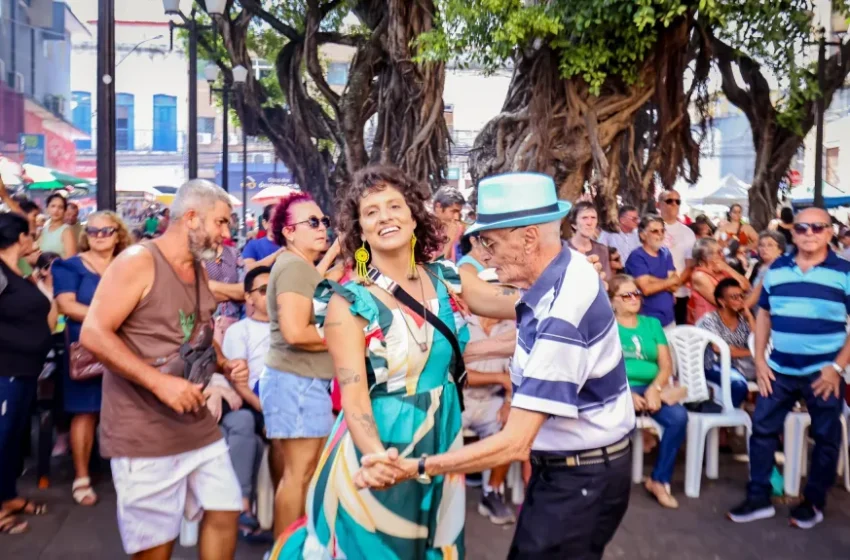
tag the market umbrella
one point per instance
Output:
(273, 193)
(38, 178)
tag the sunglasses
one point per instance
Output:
(661, 231)
(262, 289)
(675, 201)
(630, 295)
(314, 222)
(803, 227)
(101, 232)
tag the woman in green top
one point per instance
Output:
(648, 368)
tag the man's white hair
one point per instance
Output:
(199, 195)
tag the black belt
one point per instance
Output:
(590, 457)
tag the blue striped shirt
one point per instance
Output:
(808, 313)
(569, 363)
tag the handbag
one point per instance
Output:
(196, 359)
(458, 369)
(82, 365)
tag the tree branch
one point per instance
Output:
(287, 31)
(329, 7)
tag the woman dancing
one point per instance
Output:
(403, 395)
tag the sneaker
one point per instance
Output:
(492, 506)
(751, 511)
(473, 480)
(805, 515)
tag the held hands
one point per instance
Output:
(379, 471)
(236, 372)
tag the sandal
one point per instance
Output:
(29, 507)
(83, 493)
(10, 525)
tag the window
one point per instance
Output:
(164, 123)
(124, 125)
(206, 125)
(81, 116)
(832, 167)
(338, 73)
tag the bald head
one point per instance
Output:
(813, 215)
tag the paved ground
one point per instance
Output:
(697, 531)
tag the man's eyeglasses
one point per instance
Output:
(630, 295)
(488, 244)
(314, 222)
(101, 232)
(262, 289)
(817, 227)
(675, 201)
(734, 297)
(660, 231)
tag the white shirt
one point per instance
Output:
(569, 362)
(680, 240)
(492, 365)
(625, 243)
(248, 340)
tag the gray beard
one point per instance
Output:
(201, 248)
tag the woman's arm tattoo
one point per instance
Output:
(347, 376)
(367, 422)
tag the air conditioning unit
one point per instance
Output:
(18, 84)
(205, 138)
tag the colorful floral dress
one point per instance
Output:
(416, 408)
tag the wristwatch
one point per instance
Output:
(838, 369)
(422, 475)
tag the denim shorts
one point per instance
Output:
(295, 406)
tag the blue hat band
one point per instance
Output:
(492, 218)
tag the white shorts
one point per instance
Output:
(154, 494)
(482, 415)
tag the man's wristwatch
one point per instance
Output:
(838, 368)
(422, 475)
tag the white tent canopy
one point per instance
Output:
(729, 191)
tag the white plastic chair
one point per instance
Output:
(643, 423)
(796, 449)
(689, 344)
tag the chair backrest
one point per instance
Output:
(688, 345)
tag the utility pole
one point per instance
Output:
(106, 198)
(819, 201)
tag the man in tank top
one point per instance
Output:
(168, 455)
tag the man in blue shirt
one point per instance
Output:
(804, 303)
(262, 251)
(654, 272)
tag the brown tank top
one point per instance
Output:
(134, 423)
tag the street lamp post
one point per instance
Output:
(214, 8)
(820, 109)
(244, 176)
(240, 76)
(106, 197)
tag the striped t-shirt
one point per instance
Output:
(808, 313)
(568, 362)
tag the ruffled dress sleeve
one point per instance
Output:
(363, 305)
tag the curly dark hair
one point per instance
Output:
(430, 237)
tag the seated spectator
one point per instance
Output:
(262, 251)
(247, 340)
(583, 220)
(733, 322)
(615, 263)
(487, 404)
(710, 269)
(224, 270)
(651, 265)
(27, 319)
(649, 366)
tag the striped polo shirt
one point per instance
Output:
(808, 313)
(568, 362)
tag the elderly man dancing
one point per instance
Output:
(572, 412)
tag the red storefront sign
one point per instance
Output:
(86, 169)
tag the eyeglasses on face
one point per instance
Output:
(816, 227)
(262, 289)
(675, 201)
(734, 297)
(657, 231)
(101, 232)
(629, 296)
(314, 222)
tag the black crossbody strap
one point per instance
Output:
(459, 371)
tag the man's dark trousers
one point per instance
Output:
(572, 512)
(769, 422)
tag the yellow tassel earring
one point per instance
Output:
(361, 257)
(413, 274)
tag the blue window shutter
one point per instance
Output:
(82, 117)
(164, 123)
(124, 122)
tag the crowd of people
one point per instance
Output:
(363, 350)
